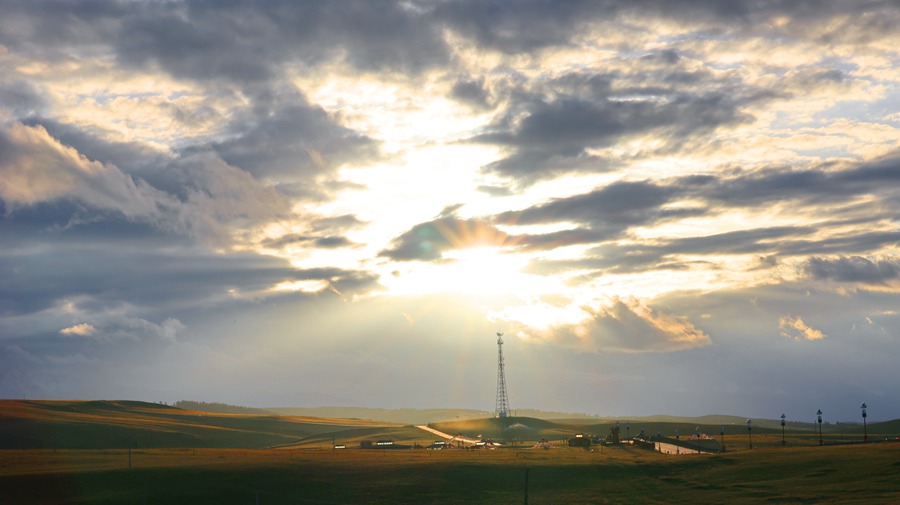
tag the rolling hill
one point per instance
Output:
(100, 424)
(56, 424)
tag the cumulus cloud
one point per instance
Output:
(627, 326)
(291, 140)
(79, 330)
(793, 327)
(122, 328)
(35, 168)
(219, 197)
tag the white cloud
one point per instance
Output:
(113, 327)
(79, 330)
(794, 327)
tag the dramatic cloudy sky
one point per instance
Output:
(682, 207)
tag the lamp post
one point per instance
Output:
(750, 432)
(722, 435)
(677, 445)
(782, 429)
(697, 432)
(819, 414)
(628, 431)
(865, 428)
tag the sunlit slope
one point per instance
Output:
(351, 437)
(510, 428)
(26, 424)
(672, 430)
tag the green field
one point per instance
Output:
(302, 467)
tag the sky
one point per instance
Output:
(667, 206)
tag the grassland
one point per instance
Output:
(301, 467)
(858, 474)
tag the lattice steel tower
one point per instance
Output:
(502, 406)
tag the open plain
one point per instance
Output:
(309, 471)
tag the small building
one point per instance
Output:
(580, 441)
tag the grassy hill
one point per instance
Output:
(403, 416)
(28, 424)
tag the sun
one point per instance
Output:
(479, 272)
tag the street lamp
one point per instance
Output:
(819, 413)
(722, 435)
(628, 431)
(677, 444)
(750, 432)
(782, 429)
(865, 429)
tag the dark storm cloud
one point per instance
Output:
(562, 238)
(249, 41)
(50, 29)
(532, 25)
(471, 92)
(611, 209)
(167, 279)
(601, 215)
(853, 269)
(328, 242)
(622, 259)
(608, 213)
(861, 242)
(292, 139)
(337, 223)
(664, 254)
(554, 135)
(20, 97)
(819, 185)
(428, 241)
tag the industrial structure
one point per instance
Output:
(502, 405)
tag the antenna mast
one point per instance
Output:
(502, 406)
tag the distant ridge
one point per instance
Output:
(420, 416)
(219, 408)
